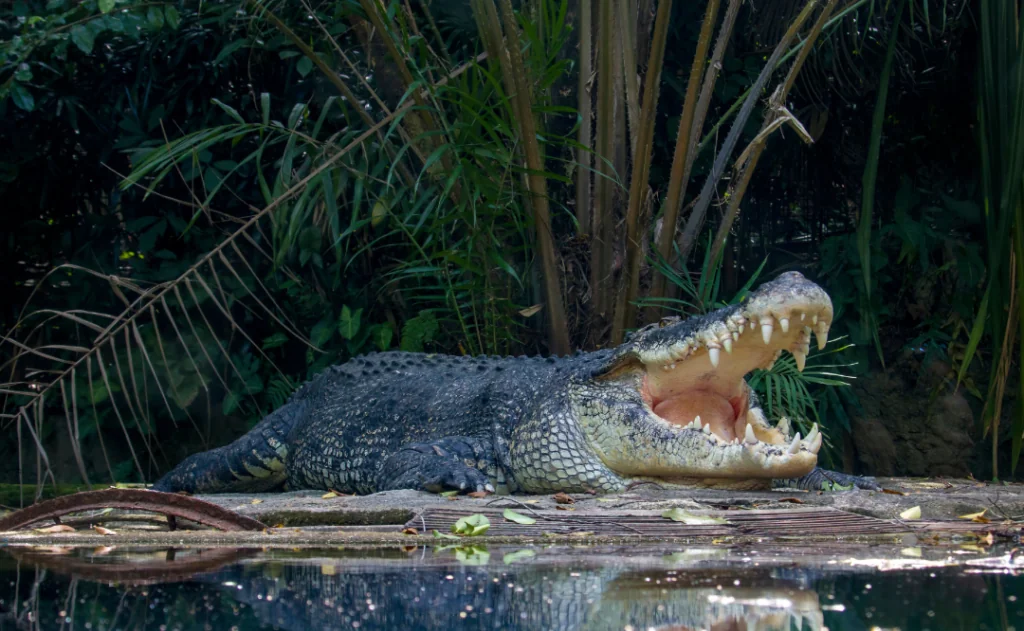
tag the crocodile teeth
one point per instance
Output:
(821, 332)
(752, 325)
(784, 324)
(815, 318)
(736, 336)
(802, 316)
(801, 359)
(716, 355)
(767, 326)
(811, 435)
(749, 436)
(707, 428)
(814, 444)
(795, 445)
(727, 344)
(783, 426)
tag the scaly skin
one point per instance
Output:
(670, 405)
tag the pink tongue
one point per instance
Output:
(711, 407)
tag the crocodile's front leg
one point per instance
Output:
(824, 480)
(456, 463)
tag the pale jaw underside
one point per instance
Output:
(697, 385)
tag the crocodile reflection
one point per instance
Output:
(465, 588)
(334, 594)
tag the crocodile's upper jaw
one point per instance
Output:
(691, 379)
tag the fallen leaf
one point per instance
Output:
(977, 517)
(328, 570)
(792, 500)
(529, 311)
(478, 494)
(103, 550)
(518, 555)
(256, 502)
(607, 499)
(564, 507)
(103, 531)
(410, 531)
(581, 533)
(471, 526)
(50, 530)
(562, 498)
(518, 518)
(678, 514)
(531, 501)
(329, 495)
(911, 552)
(911, 513)
(448, 493)
(893, 492)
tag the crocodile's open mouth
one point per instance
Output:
(693, 377)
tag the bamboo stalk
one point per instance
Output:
(757, 147)
(583, 177)
(558, 331)
(677, 183)
(625, 314)
(604, 184)
(696, 219)
(627, 45)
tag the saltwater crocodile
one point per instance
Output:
(670, 405)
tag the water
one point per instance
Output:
(668, 587)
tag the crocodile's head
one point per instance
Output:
(673, 401)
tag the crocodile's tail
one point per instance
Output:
(255, 462)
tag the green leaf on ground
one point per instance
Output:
(518, 518)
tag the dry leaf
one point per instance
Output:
(562, 498)
(977, 517)
(529, 311)
(256, 502)
(410, 531)
(893, 492)
(329, 495)
(792, 500)
(478, 494)
(103, 531)
(911, 513)
(678, 514)
(51, 530)
(564, 507)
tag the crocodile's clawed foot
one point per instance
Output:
(459, 478)
(439, 466)
(825, 480)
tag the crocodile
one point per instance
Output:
(671, 405)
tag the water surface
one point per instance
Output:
(670, 587)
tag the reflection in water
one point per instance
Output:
(474, 588)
